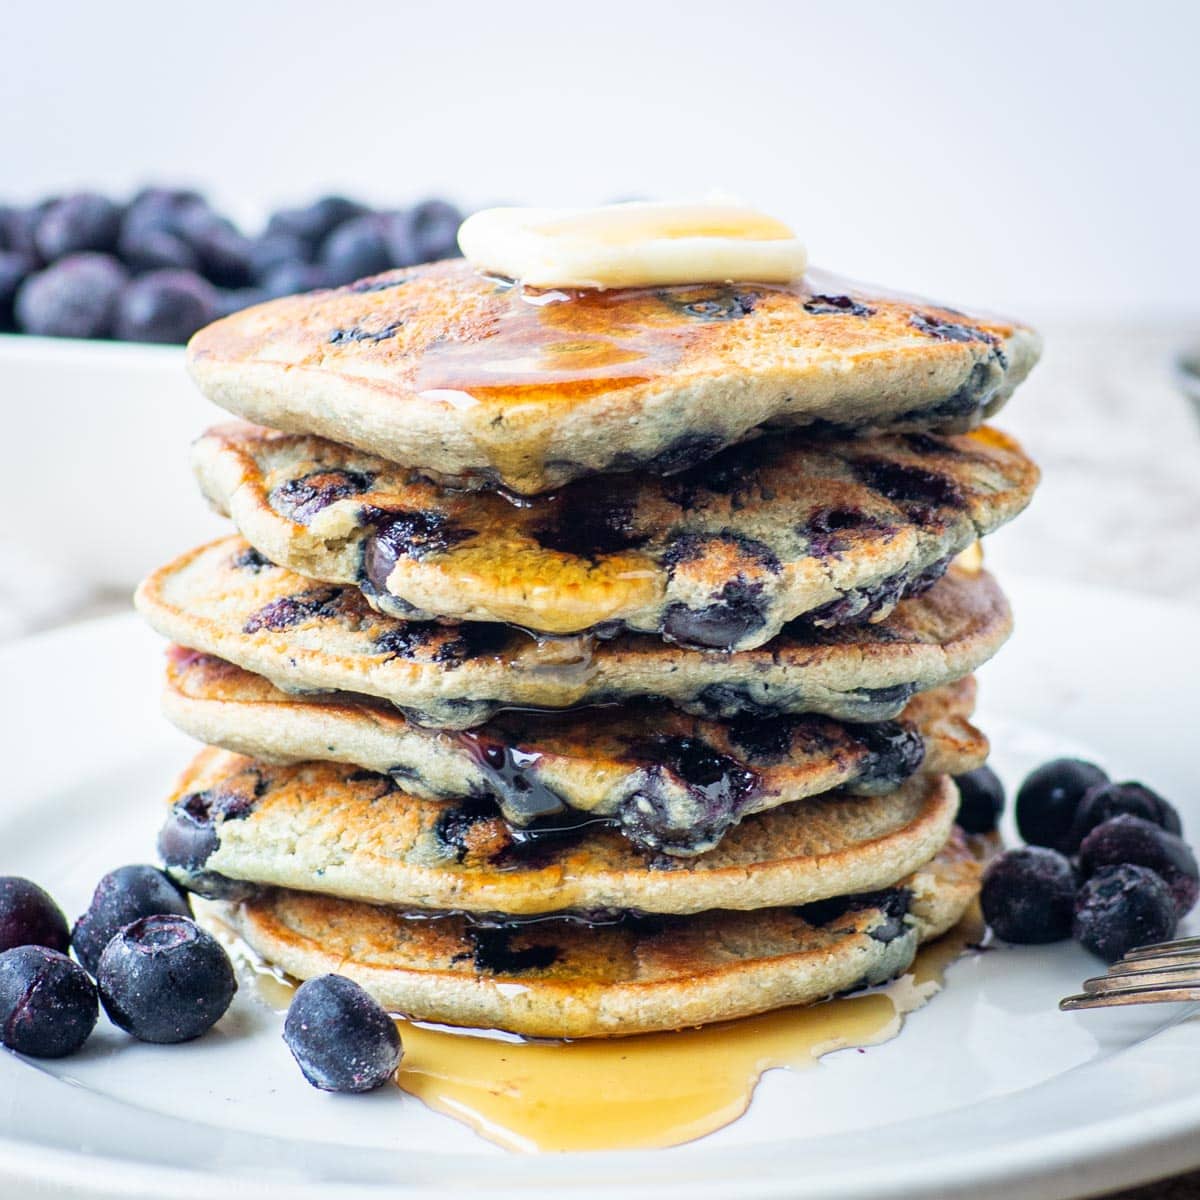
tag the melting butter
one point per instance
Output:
(632, 245)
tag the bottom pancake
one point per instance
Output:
(565, 979)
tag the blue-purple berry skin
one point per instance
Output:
(1028, 895)
(981, 800)
(435, 230)
(47, 1002)
(165, 306)
(355, 249)
(75, 297)
(342, 1039)
(273, 250)
(290, 279)
(312, 223)
(1121, 907)
(1129, 839)
(1108, 800)
(29, 916)
(151, 249)
(122, 896)
(163, 979)
(1049, 797)
(83, 221)
(15, 268)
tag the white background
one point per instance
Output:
(1034, 157)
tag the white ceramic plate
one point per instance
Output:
(988, 1092)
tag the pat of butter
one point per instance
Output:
(632, 245)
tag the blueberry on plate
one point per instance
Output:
(29, 917)
(165, 306)
(981, 800)
(47, 1002)
(1108, 800)
(1049, 797)
(122, 896)
(342, 1039)
(289, 279)
(1128, 839)
(1028, 895)
(435, 230)
(83, 221)
(150, 249)
(312, 223)
(164, 979)
(272, 250)
(1121, 907)
(76, 297)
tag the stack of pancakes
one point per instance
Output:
(589, 663)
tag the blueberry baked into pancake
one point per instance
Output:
(594, 653)
(722, 555)
(671, 781)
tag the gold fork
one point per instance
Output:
(1150, 974)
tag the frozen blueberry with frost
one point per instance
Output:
(76, 297)
(122, 896)
(83, 221)
(165, 306)
(47, 1003)
(164, 979)
(1121, 907)
(29, 917)
(342, 1039)
(1108, 800)
(1028, 895)
(1129, 839)
(1049, 798)
(981, 800)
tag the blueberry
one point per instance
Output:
(342, 1039)
(76, 297)
(314, 222)
(29, 917)
(1121, 907)
(981, 800)
(435, 230)
(1049, 797)
(84, 221)
(293, 278)
(122, 896)
(1108, 800)
(1028, 895)
(164, 979)
(151, 249)
(160, 208)
(356, 248)
(47, 1003)
(165, 306)
(19, 227)
(1129, 839)
(233, 300)
(14, 267)
(224, 253)
(273, 250)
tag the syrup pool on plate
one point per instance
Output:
(652, 1090)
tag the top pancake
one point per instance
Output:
(481, 382)
(721, 556)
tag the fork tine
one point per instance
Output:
(1131, 995)
(1156, 961)
(1118, 979)
(1185, 947)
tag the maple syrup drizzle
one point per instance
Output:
(652, 1090)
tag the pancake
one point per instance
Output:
(564, 980)
(720, 556)
(673, 782)
(225, 599)
(484, 383)
(342, 831)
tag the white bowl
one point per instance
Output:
(96, 486)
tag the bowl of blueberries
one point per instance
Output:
(98, 295)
